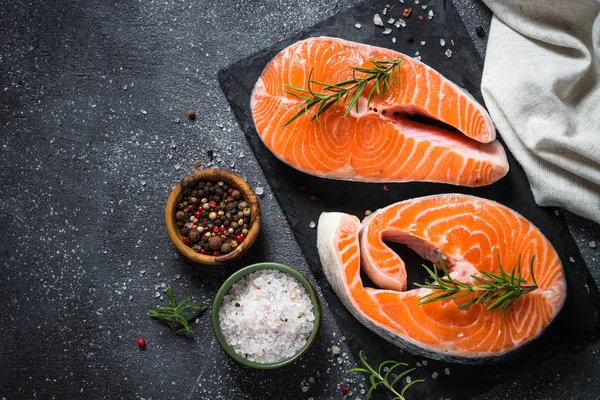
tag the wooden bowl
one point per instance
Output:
(212, 175)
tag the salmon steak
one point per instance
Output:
(471, 235)
(382, 141)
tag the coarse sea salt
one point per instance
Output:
(267, 316)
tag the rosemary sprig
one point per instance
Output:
(177, 316)
(495, 290)
(383, 72)
(384, 377)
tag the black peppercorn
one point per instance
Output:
(184, 231)
(215, 242)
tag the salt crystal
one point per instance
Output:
(557, 213)
(143, 271)
(418, 58)
(259, 190)
(400, 23)
(177, 166)
(408, 379)
(177, 276)
(393, 40)
(385, 369)
(442, 42)
(357, 26)
(434, 375)
(593, 244)
(461, 334)
(416, 53)
(571, 259)
(401, 1)
(241, 155)
(305, 389)
(423, 43)
(173, 145)
(124, 87)
(269, 324)
(129, 263)
(144, 112)
(424, 362)
(312, 224)
(447, 371)
(387, 31)
(430, 14)
(377, 20)
(130, 297)
(416, 1)
(391, 21)
(177, 120)
(384, 11)
(335, 349)
(424, 6)
(157, 294)
(311, 380)
(448, 53)
(418, 364)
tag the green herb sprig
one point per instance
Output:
(177, 316)
(495, 290)
(383, 72)
(385, 377)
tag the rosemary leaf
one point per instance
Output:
(376, 378)
(384, 73)
(494, 290)
(179, 315)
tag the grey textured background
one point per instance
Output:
(93, 96)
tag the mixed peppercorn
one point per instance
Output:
(213, 218)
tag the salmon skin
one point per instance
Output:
(470, 234)
(379, 143)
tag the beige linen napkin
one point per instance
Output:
(541, 84)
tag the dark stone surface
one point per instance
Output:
(93, 101)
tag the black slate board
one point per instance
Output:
(294, 189)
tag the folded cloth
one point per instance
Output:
(541, 84)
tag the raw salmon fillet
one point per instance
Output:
(380, 143)
(469, 233)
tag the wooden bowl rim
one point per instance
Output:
(212, 174)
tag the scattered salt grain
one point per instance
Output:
(312, 224)
(448, 53)
(177, 166)
(424, 6)
(311, 380)
(408, 379)
(418, 364)
(357, 26)
(418, 58)
(442, 42)
(593, 244)
(305, 389)
(157, 294)
(391, 21)
(130, 298)
(393, 40)
(267, 316)
(335, 349)
(461, 334)
(377, 20)
(340, 360)
(144, 112)
(447, 371)
(434, 375)
(124, 87)
(424, 362)
(557, 213)
(423, 43)
(571, 259)
(384, 11)
(430, 14)
(259, 190)
(400, 23)
(402, 1)
(387, 31)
